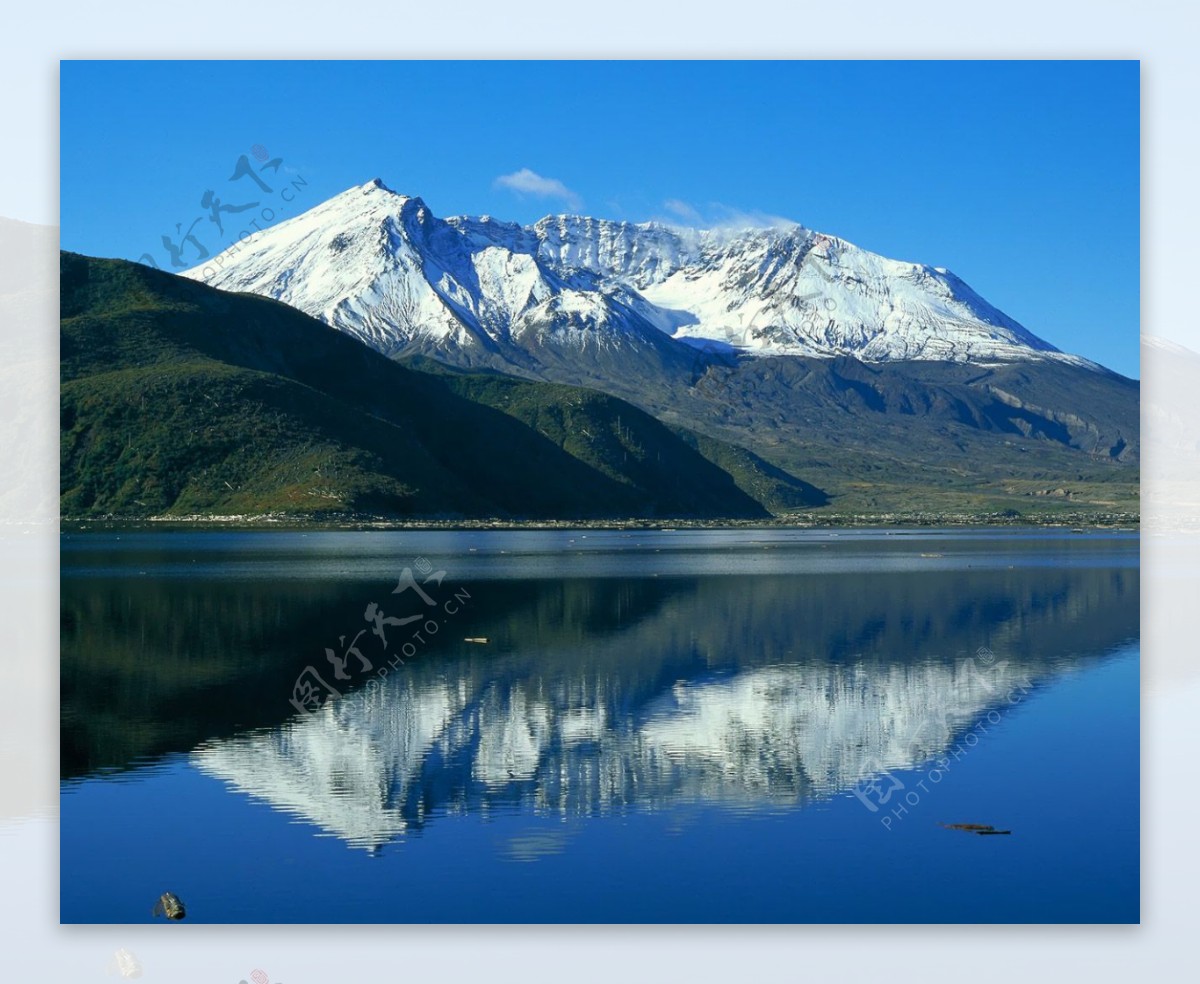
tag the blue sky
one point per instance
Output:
(1021, 177)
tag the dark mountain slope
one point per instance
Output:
(178, 399)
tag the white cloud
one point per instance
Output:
(527, 182)
(683, 210)
(736, 218)
(725, 218)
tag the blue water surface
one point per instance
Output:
(678, 726)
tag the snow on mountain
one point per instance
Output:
(381, 267)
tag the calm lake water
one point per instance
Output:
(673, 726)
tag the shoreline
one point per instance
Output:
(1115, 522)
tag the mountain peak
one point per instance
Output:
(381, 266)
(380, 195)
(376, 184)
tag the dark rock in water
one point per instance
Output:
(169, 905)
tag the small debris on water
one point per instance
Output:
(170, 905)
(983, 829)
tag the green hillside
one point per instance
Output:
(619, 439)
(178, 399)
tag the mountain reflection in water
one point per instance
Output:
(611, 682)
(380, 761)
(662, 710)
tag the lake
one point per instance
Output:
(594, 726)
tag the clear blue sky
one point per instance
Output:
(1021, 177)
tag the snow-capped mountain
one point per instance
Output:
(381, 267)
